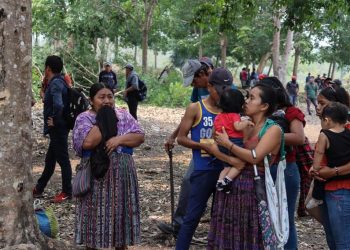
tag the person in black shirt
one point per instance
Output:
(334, 142)
(108, 77)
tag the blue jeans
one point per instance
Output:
(337, 219)
(180, 211)
(292, 178)
(57, 152)
(202, 187)
(293, 99)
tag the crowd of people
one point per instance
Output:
(234, 139)
(225, 170)
(312, 87)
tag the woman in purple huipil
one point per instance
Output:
(109, 215)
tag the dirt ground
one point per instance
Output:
(153, 175)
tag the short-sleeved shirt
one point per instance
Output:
(243, 75)
(293, 113)
(292, 88)
(86, 120)
(109, 79)
(132, 80)
(226, 120)
(311, 90)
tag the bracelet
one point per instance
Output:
(336, 171)
(253, 153)
(231, 147)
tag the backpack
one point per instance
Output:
(142, 91)
(77, 103)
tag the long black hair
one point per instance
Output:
(336, 93)
(282, 98)
(231, 101)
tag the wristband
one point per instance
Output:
(231, 147)
(253, 153)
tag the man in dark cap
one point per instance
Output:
(336, 82)
(198, 121)
(131, 89)
(108, 77)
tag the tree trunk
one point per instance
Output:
(268, 73)
(135, 54)
(116, 46)
(18, 227)
(144, 50)
(333, 69)
(155, 59)
(296, 61)
(200, 50)
(149, 8)
(276, 45)
(330, 69)
(70, 43)
(285, 58)
(223, 46)
(262, 62)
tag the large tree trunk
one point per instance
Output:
(144, 50)
(285, 58)
(200, 50)
(268, 72)
(116, 46)
(18, 229)
(276, 45)
(223, 46)
(149, 8)
(262, 62)
(155, 59)
(296, 61)
(330, 69)
(333, 69)
(135, 54)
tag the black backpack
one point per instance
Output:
(142, 92)
(77, 103)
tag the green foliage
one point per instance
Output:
(171, 93)
(86, 33)
(36, 83)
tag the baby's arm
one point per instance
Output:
(241, 125)
(321, 146)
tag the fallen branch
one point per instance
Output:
(81, 65)
(39, 71)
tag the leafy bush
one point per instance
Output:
(171, 93)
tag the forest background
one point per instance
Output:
(288, 36)
(277, 37)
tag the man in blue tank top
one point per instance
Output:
(196, 73)
(199, 119)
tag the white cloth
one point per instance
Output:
(277, 201)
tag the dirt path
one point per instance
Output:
(153, 177)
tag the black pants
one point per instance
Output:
(133, 102)
(57, 152)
